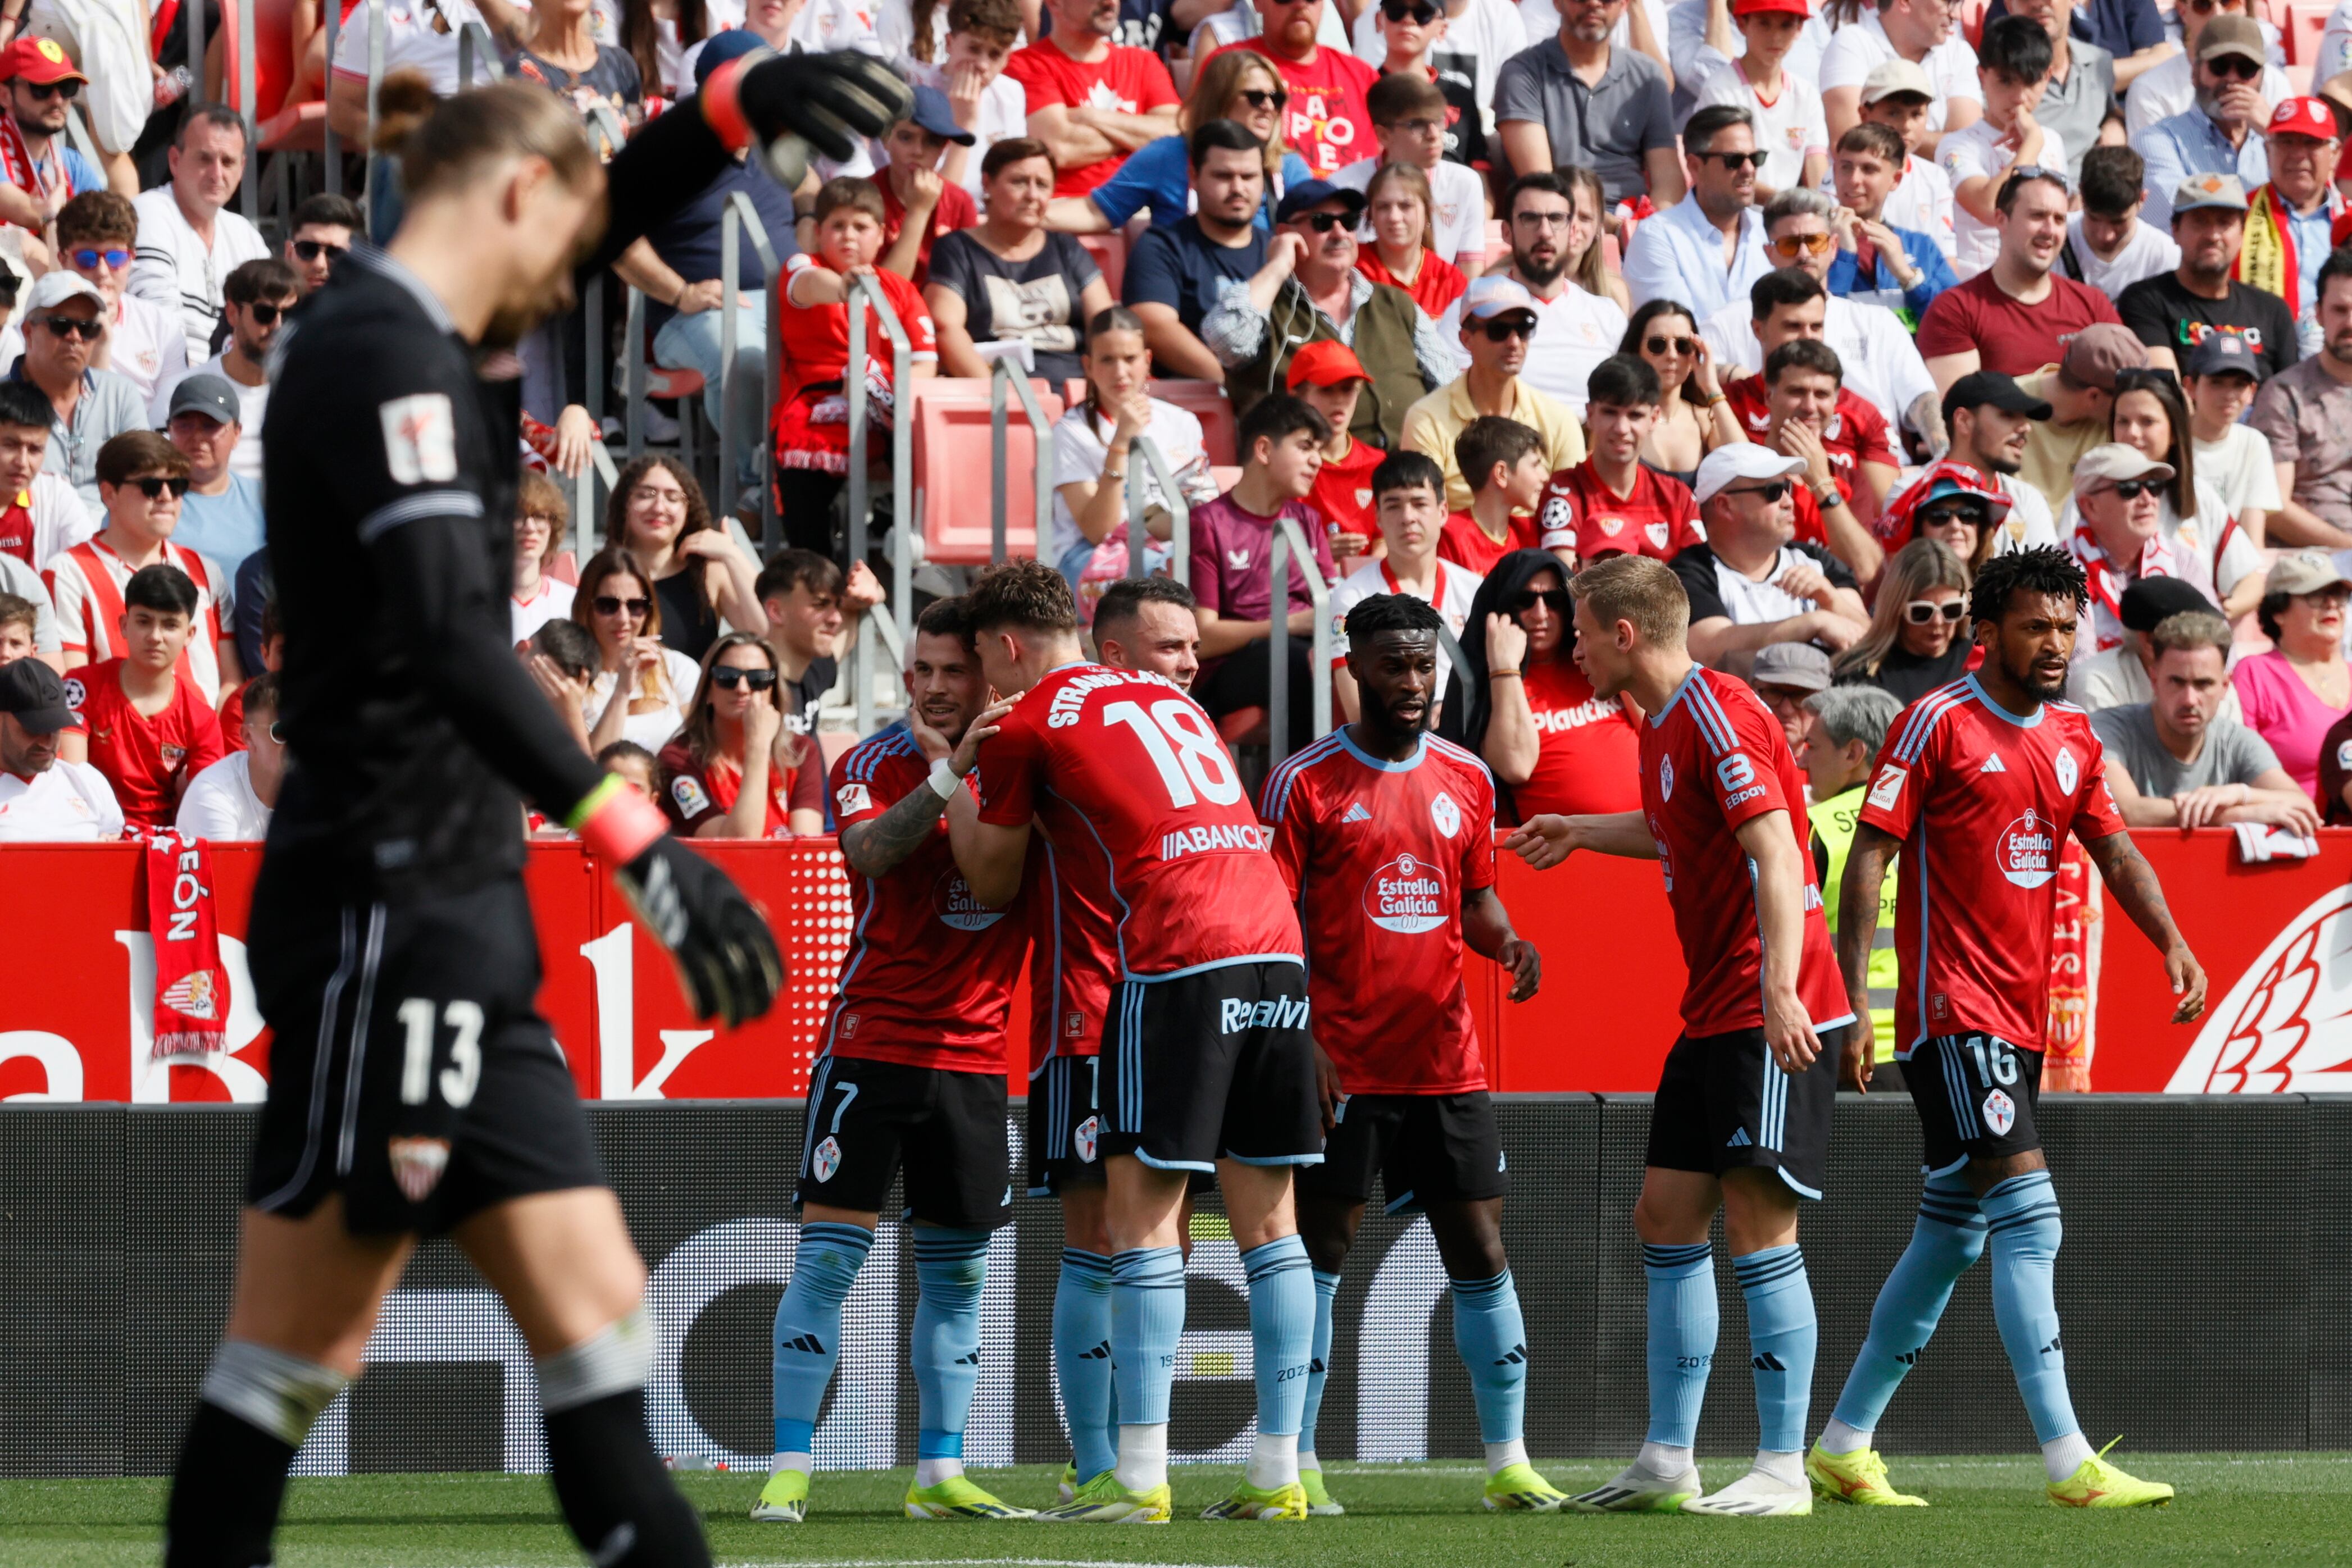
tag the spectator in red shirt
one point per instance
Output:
(1400, 212)
(1329, 378)
(1784, 306)
(1091, 101)
(1506, 466)
(1613, 502)
(736, 771)
(2016, 316)
(917, 203)
(1804, 382)
(146, 729)
(1327, 121)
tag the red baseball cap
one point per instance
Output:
(1764, 7)
(41, 61)
(2304, 117)
(1325, 364)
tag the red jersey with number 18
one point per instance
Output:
(929, 979)
(1125, 761)
(1380, 857)
(1713, 758)
(1983, 801)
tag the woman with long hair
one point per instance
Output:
(2294, 694)
(736, 770)
(1693, 416)
(1588, 268)
(1239, 85)
(2196, 538)
(656, 34)
(1913, 643)
(641, 687)
(1010, 256)
(1397, 206)
(703, 578)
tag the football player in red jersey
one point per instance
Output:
(1385, 834)
(1741, 1121)
(1976, 787)
(910, 1078)
(1205, 1059)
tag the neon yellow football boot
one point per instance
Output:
(1103, 1500)
(1856, 1478)
(2098, 1484)
(1517, 1488)
(1279, 1504)
(1319, 1501)
(784, 1500)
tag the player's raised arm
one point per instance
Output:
(2133, 882)
(1780, 865)
(1866, 876)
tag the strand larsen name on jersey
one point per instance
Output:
(1073, 696)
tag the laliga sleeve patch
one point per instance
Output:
(420, 439)
(851, 799)
(1888, 786)
(687, 793)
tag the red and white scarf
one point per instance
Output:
(2108, 585)
(183, 918)
(17, 162)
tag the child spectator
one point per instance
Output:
(812, 427)
(542, 518)
(147, 730)
(636, 765)
(735, 771)
(98, 237)
(1876, 263)
(2013, 65)
(44, 513)
(1093, 454)
(1329, 378)
(1613, 502)
(919, 204)
(230, 801)
(1405, 41)
(1409, 502)
(20, 621)
(2221, 379)
(2107, 247)
(1409, 120)
(984, 101)
(1897, 95)
(1404, 238)
(563, 657)
(1790, 130)
(1506, 466)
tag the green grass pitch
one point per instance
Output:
(2268, 1509)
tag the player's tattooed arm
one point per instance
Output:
(1857, 924)
(2133, 882)
(875, 848)
(1487, 927)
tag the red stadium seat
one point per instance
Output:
(1498, 243)
(1206, 401)
(1109, 251)
(2305, 23)
(565, 568)
(954, 492)
(1972, 19)
(297, 128)
(1609, 256)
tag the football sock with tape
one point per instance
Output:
(256, 1407)
(1319, 1360)
(2022, 1233)
(1491, 1337)
(1281, 1334)
(615, 1494)
(807, 1339)
(1082, 1358)
(1684, 1320)
(951, 1268)
(1783, 1334)
(1948, 1237)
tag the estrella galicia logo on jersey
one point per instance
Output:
(953, 902)
(2027, 849)
(1406, 895)
(2067, 775)
(1446, 814)
(417, 1165)
(1088, 1139)
(2000, 1114)
(1665, 778)
(825, 1159)
(420, 439)
(1235, 1014)
(852, 800)
(1887, 787)
(689, 795)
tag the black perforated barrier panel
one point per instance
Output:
(2204, 1288)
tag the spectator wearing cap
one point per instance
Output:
(2115, 528)
(96, 234)
(919, 205)
(221, 515)
(2080, 389)
(1309, 291)
(1499, 323)
(1785, 675)
(1952, 505)
(1790, 129)
(1897, 95)
(1750, 585)
(1576, 328)
(39, 173)
(2296, 694)
(1613, 502)
(980, 275)
(2174, 761)
(255, 301)
(2169, 87)
(1326, 377)
(2222, 377)
(2017, 315)
(2200, 298)
(1092, 101)
(1913, 644)
(63, 320)
(2107, 245)
(1707, 249)
(2013, 63)
(2221, 133)
(1992, 420)
(1876, 263)
(2305, 414)
(319, 235)
(1578, 99)
(1921, 32)
(2123, 674)
(188, 241)
(2291, 221)
(230, 801)
(1178, 271)
(44, 799)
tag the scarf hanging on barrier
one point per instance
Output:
(2070, 1030)
(2267, 260)
(183, 918)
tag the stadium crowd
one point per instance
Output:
(1823, 307)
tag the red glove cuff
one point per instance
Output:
(720, 110)
(615, 822)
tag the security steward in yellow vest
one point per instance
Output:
(1838, 770)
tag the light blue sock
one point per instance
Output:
(1783, 1333)
(2022, 1231)
(1949, 1236)
(1082, 1359)
(1146, 1325)
(1492, 1340)
(807, 1338)
(1282, 1331)
(1318, 1363)
(950, 1268)
(1684, 1320)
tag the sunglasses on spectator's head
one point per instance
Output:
(1771, 491)
(88, 258)
(1418, 10)
(1509, 327)
(1732, 161)
(266, 315)
(1659, 345)
(729, 676)
(1259, 98)
(613, 604)
(312, 249)
(153, 486)
(1788, 248)
(1923, 612)
(2133, 489)
(1552, 599)
(2020, 173)
(2236, 67)
(1324, 222)
(68, 90)
(74, 327)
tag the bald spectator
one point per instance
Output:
(188, 240)
(2221, 132)
(2305, 413)
(2015, 315)
(1578, 98)
(2080, 392)
(2174, 762)
(1706, 249)
(44, 799)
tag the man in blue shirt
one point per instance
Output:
(1706, 249)
(220, 516)
(38, 172)
(2222, 133)
(1175, 274)
(1876, 263)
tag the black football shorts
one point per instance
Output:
(1976, 1095)
(868, 1121)
(1212, 1065)
(1724, 1103)
(1424, 1148)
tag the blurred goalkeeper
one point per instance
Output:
(414, 1089)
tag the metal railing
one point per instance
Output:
(1289, 536)
(584, 497)
(241, 91)
(863, 295)
(738, 218)
(474, 42)
(332, 143)
(1141, 451)
(1465, 683)
(375, 40)
(1003, 373)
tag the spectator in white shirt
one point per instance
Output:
(981, 35)
(188, 241)
(221, 514)
(1409, 502)
(254, 302)
(542, 519)
(2014, 71)
(1408, 116)
(1790, 129)
(1923, 33)
(230, 801)
(97, 233)
(1709, 247)
(642, 691)
(322, 230)
(2221, 379)
(42, 798)
(2107, 247)
(1575, 328)
(1093, 451)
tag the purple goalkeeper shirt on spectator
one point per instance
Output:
(1231, 549)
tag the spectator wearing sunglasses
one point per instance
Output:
(145, 726)
(97, 235)
(2221, 132)
(2169, 87)
(1328, 122)
(2013, 69)
(2201, 298)
(256, 299)
(221, 515)
(189, 241)
(1498, 324)
(2114, 528)
(64, 319)
(1912, 644)
(1790, 129)
(2291, 226)
(2125, 673)
(1577, 98)
(1876, 263)
(230, 801)
(737, 770)
(1750, 584)
(1237, 86)
(640, 693)
(323, 228)
(2014, 317)
(1709, 247)
(39, 173)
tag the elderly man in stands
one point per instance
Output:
(2291, 227)
(2221, 132)
(1750, 586)
(2015, 315)
(189, 242)
(2174, 762)
(1707, 248)
(42, 798)
(90, 407)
